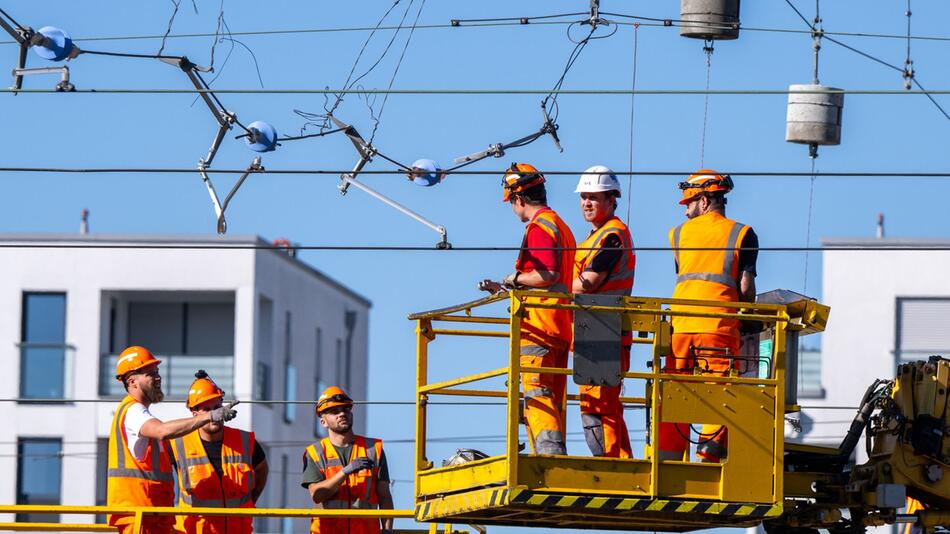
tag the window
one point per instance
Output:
(39, 472)
(809, 374)
(192, 328)
(290, 374)
(265, 347)
(922, 328)
(318, 383)
(102, 475)
(43, 346)
(340, 364)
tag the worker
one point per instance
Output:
(715, 260)
(346, 471)
(140, 470)
(545, 262)
(604, 264)
(218, 466)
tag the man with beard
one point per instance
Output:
(218, 466)
(345, 471)
(140, 471)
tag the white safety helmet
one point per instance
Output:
(598, 179)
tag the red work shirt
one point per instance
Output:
(543, 257)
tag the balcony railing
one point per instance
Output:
(178, 372)
(46, 370)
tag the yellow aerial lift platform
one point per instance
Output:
(604, 493)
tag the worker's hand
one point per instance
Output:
(511, 281)
(358, 464)
(224, 413)
(491, 286)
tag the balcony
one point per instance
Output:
(178, 372)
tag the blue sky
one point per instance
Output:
(744, 133)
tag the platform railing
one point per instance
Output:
(651, 319)
(139, 513)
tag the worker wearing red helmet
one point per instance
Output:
(218, 466)
(139, 469)
(346, 471)
(715, 260)
(604, 264)
(545, 262)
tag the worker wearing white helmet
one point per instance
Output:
(604, 263)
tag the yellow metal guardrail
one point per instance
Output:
(748, 484)
(140, 512)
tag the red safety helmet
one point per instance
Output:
(332, 397)
(520, 177)
(704, 181)
(133, 359)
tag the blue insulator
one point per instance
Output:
(57, 46)
(426, 172)
(263, 137)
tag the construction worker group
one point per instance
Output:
(217, 466)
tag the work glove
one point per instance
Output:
(509, 281)
(224, 413)
(358, 464)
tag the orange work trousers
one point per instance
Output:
(712, 441)
(544, 398)
(602, 416)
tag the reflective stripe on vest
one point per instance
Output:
(619, 280)
(325, 457)
(549, 327)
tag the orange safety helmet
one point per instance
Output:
(519, 177)
(202, 390)
(704, 181)
(332, 397)
(133, 359)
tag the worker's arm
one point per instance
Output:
(260, 480)
(588, 282)
(537, 279)
(176, 428)
(385, 498)
(747, 287)
(327, 488)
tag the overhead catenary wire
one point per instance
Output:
(633, 96)
(486, 92)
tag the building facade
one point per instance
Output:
(266, 326)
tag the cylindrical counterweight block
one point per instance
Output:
(709, 19)
(814, 118)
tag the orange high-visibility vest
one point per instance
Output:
(200, 486)
(619, 280)
(133, 482)
(547, 327)
(357, 491)
(707, 274)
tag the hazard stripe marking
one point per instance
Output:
(729, 509)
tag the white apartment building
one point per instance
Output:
(265, 325)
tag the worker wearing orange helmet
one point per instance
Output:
(139, 470)
(715, 260)
(545, 262)
(346, 471)
(218, 466)
(604, 264)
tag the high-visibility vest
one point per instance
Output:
(358, 490)
(619, 280)
(131, 482)
(707, 274)
(541, 326)
(200, 486)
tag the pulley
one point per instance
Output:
(426, 173)
(814, 115)
(262, 137)
(711, 20)
(54, 45)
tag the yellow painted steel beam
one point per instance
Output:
(435, 314)
(170, 510)
(464, 380)
(471, 319)
(782, 317)
(56, 527)
(473, 333)
(502, 394)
